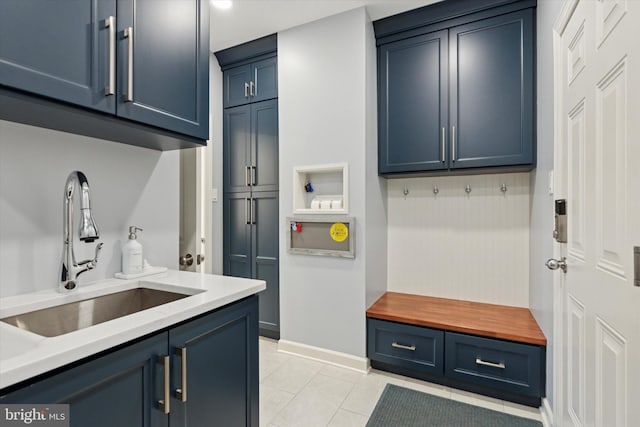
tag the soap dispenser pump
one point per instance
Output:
(132, 253)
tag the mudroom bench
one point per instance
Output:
(495, 350)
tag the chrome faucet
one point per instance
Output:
(76, 183)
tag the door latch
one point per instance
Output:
(560, 219)
(554, 264)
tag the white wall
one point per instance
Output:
(456, 245)
(325, 96)
(541, 279)
(376, 187)
(129, 186)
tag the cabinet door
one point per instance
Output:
(164, 65)
(237, 234)
(119, 389)
(236, 86)
(413, 104)
(237, 148)
(492, 91)
(264, 146)
(265, 259)
(264, 75)
(221, 357)
(58, 49)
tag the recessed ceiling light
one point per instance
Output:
(221, 4)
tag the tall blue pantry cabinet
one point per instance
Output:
(250, 147)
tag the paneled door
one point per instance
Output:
(60, 49)
(598, 172)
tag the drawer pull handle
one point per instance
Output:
(500, 365)
(404, 347)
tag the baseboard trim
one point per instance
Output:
(546, 413)
(342, 360)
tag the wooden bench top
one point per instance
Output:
(487, 320)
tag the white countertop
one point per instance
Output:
(24, 355)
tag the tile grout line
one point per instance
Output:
(353, 385)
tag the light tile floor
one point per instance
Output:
(295, 391)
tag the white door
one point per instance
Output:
(192, 210)
(597, 55)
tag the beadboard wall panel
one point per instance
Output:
(460, 245)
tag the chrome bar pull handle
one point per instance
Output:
(252, 86)
(181, 393)
(444, 146)
(500, 365)
(247, 181)
(255, 80)
(110, 23)
(128, 34)
(246, 211)
(253, 174)
(403, 347)
(253, 210)
(246, 90)
(453, 143)
(636, 265)
(165, 404)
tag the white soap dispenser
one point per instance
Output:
(132, 253)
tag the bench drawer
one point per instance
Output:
(502, 365)
(407, 346)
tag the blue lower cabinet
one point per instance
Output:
(406, 346)
(213, 367)
(502, 365)
(216, 362)
(118, 389)
(493, 367)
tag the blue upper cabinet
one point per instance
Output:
(146, 61)
(492, 92)
(413, 104)
(265, 80)
(163, 59)
(457, 92)
(236, 86)
(59, 49)
(253, 82)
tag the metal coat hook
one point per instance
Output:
(503, 188)
(467, 189)
(436, 190)
(405, 192)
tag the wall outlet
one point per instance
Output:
(550, 185)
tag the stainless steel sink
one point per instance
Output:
(62, 319)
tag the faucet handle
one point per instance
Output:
(90, 264)
(98, 249)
